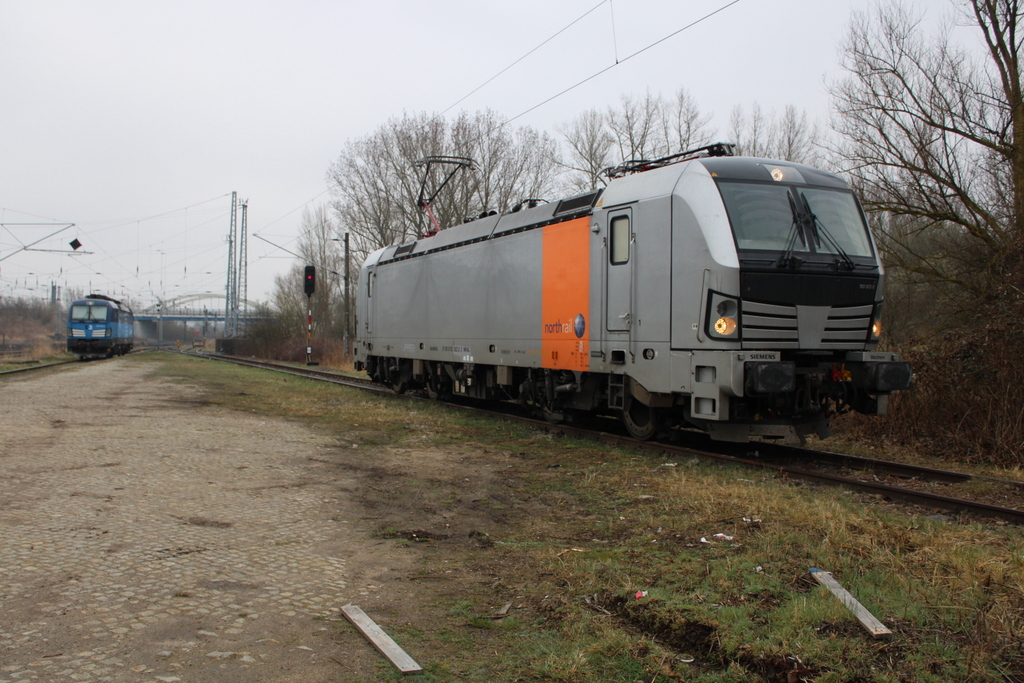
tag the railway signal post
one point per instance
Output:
(309, 286)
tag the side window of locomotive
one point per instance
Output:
(619, 240)
(369, 283)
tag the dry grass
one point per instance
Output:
(334, 357)
(945, 588)
(36, 351)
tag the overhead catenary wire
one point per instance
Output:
(617, 63)
(589, 78)
(123, 280)
(545, 42)
(290, 212)
(280, 218)
(615, 37)
(123, 222)
(110, 268)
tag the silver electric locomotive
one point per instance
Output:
(739, 296)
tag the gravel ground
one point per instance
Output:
(145, 539)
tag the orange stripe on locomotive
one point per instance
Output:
(565, 298)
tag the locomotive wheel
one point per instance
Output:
(432, 393)
(398, 387)
(438, 392)
(552, 416)
(642, 422)
(437, 388)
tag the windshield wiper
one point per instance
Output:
(844, 262)
(787, 260)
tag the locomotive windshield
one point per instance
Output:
(85, 314)
(795, 219)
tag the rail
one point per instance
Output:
(32, 369)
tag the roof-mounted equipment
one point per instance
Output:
(424, 202)
(718, 149)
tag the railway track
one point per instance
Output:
(33, 369)
(900, 482)
(299, 371)
(50, 367)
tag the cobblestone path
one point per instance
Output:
(143, 538)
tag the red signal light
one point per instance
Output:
(309, 285)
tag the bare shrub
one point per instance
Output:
(264, 339)
(24, 321)
(967, 402)
(331, 354)
(271, 341)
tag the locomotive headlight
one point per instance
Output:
(725, 326)
(723, 315)
(876, 323)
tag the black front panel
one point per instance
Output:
(805, 289)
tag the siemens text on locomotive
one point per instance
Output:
(739, 296)
(100, 326)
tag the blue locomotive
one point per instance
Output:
(738, 296)
(99, 326)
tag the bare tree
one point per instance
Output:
(632, 126)
(590, 150)
(788, 137)
(681, 125)
(373, 182)
(288, 302)
(651, 127)
(510, 165)
(644, 128)
(317, 246)
(932, 135)
(376, 185)
(320, 247)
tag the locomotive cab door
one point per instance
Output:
(371, 277)
(619, 272)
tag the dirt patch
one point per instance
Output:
(675, 630)
(218, 545)
(139, 548)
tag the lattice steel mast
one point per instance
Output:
(231, 293)
(242, 270)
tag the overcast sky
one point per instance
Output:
(136, 120)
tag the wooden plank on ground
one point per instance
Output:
(380, 640)
(876, 628)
